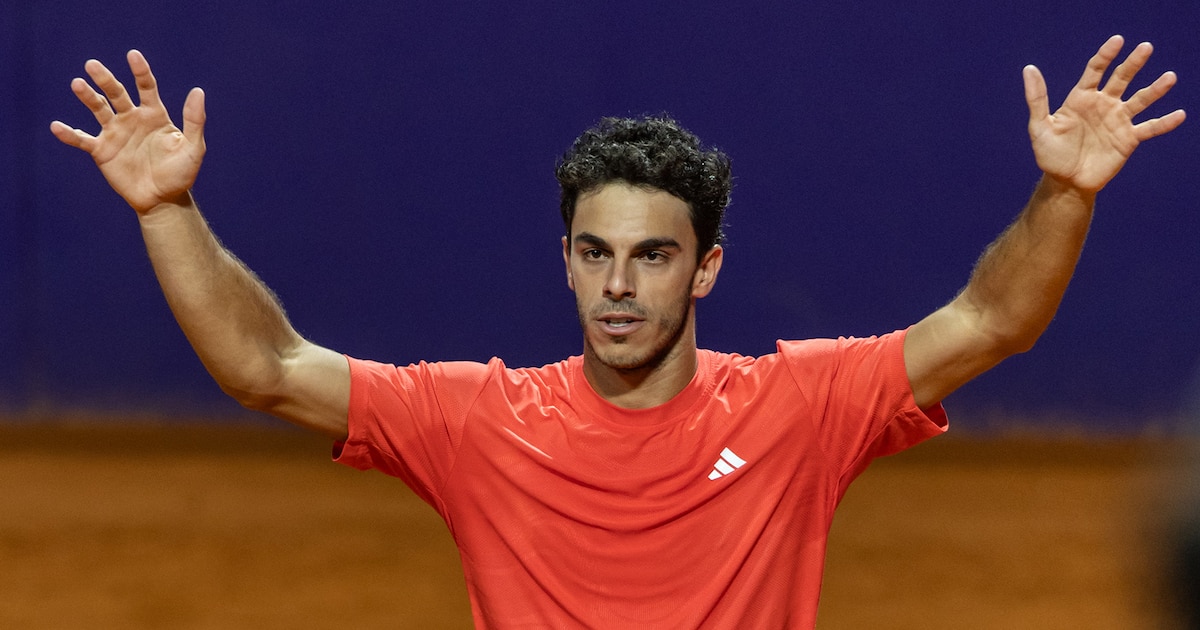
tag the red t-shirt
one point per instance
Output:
(709, 511)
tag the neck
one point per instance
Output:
(650, 385)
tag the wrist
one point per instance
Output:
(184, 201)
(1062, 190)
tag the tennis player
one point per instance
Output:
(645, 483)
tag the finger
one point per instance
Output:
(1145, 97)
(1099, 62)
(92, 100)
(147, 86)
(194, 117)
(1124, 73)
(1158, 126)
(72, 136)
(104, 79)
(1035, 94)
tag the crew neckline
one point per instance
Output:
(682, 405)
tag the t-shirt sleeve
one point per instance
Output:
(863, 401)
(408, 421)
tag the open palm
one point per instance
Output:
(142, 154)
(1087, 141)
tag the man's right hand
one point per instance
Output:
(141, 153)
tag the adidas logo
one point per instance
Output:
(728, 463)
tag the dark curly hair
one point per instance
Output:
(652, 151)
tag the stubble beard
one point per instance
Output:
(671, 325)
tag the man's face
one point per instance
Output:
(631, 260)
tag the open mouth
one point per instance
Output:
(617, 324)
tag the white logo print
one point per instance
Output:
(727, 463)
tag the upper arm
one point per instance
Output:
(948, 348)
(313, 390)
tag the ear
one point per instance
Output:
(706, 274)
(567, 262)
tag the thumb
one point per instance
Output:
(194, 117)
(1035, 94)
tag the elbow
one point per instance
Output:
(1008, 331)
(256, 382)
(254, 399)
(257, 385)
(1020, 345)
(1011, 340)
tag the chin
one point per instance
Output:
(626, 364)
(626, 359)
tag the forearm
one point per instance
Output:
(1020, 279)
(232, 320)
(1012, 295)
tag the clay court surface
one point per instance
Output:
(107, 525)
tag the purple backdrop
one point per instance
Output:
(387, 169)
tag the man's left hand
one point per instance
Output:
(1087, 141)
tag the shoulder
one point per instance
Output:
(827, 357)
(422, 371)
(841, 346)
(460, 379)
(808, 362)
(808, 351)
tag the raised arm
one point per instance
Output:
(232, 320)
(1020, 279)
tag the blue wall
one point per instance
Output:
(388, 171)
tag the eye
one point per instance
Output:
(654, 256)
(593, 254)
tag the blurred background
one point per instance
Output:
(387, 169)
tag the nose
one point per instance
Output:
(619, 284)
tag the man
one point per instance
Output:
(645, 483)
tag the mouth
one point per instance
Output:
(617, 324)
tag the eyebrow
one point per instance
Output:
(655, 242)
